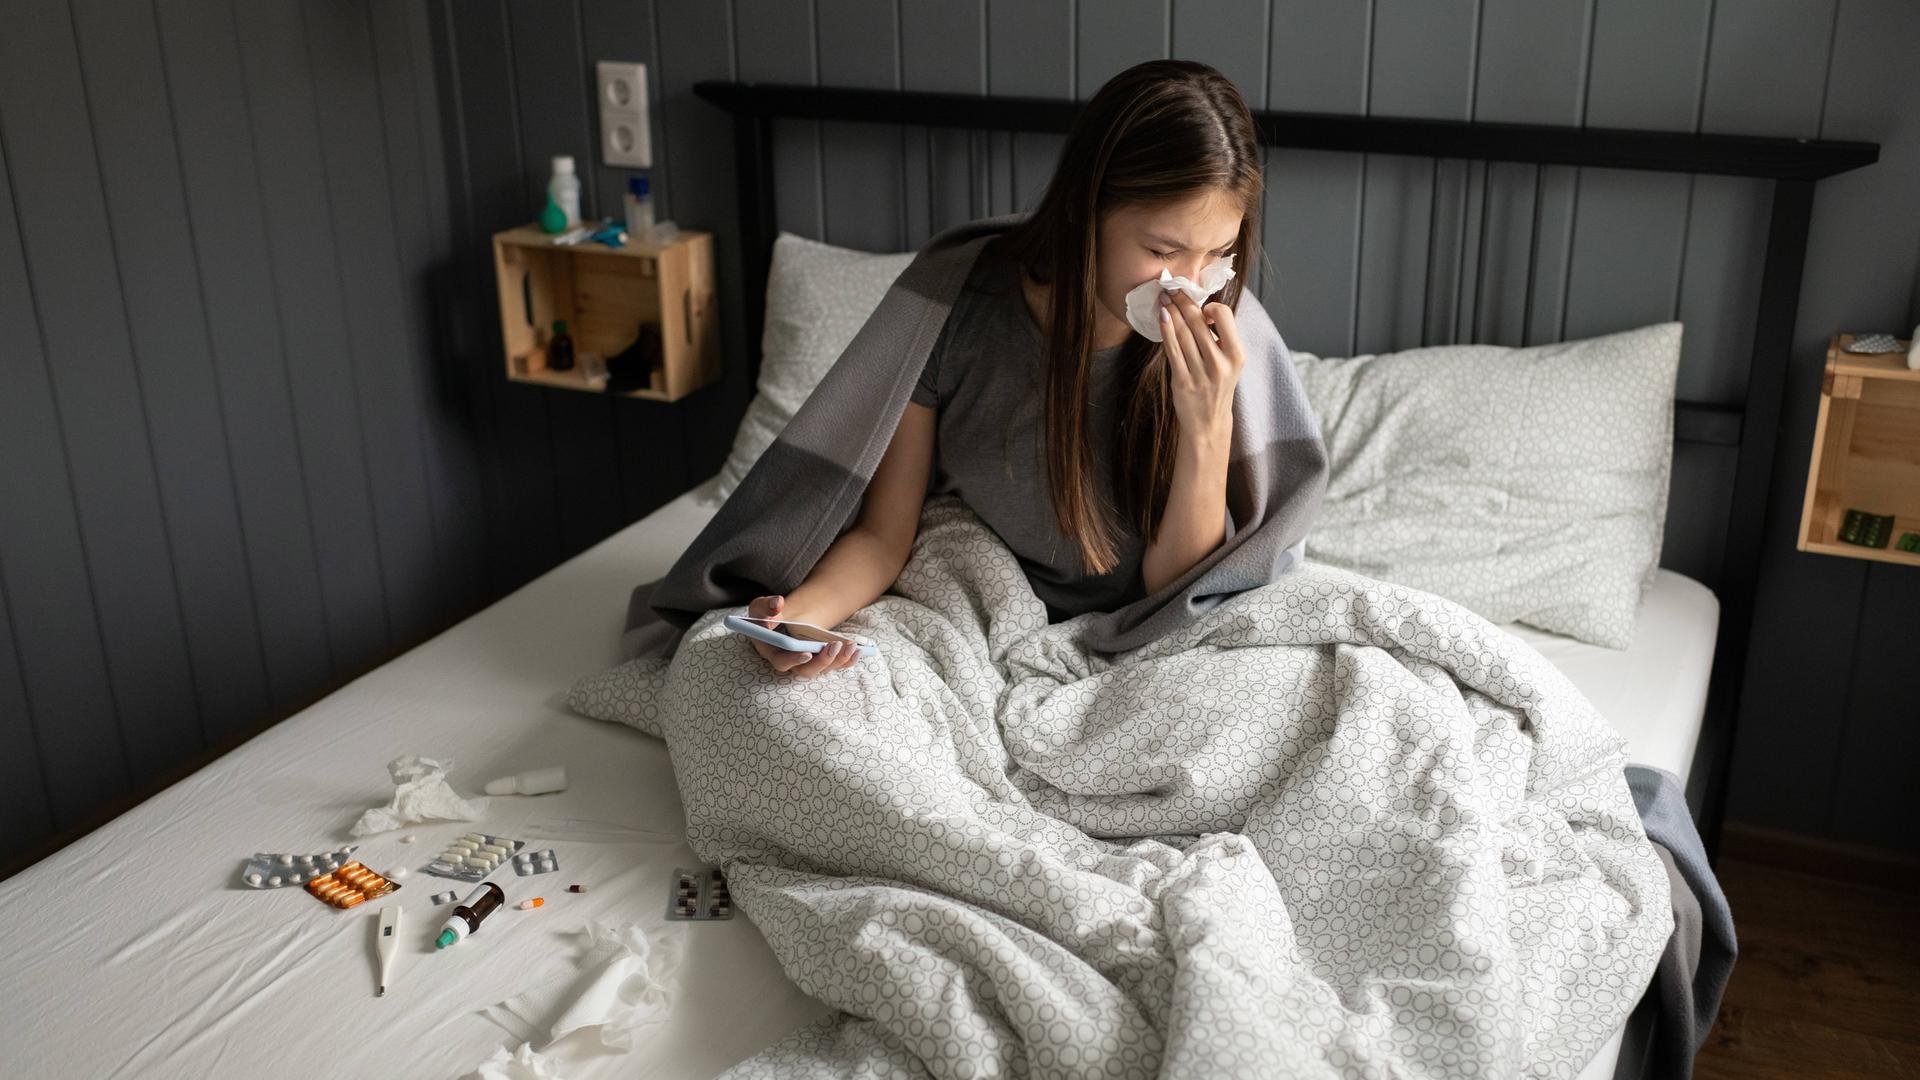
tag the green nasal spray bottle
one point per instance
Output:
(466, 918)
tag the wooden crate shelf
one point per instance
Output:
(1866, 452)
(605, 295)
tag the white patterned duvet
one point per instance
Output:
(1334, 827)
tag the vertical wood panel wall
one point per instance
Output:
(238, 455)
(253, 435)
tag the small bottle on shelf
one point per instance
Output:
(560, 349)
(639, 203)
(564, 189)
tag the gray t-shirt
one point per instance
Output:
(984, 377)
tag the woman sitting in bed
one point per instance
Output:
(1049, 407)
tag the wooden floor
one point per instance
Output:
(1827, 983)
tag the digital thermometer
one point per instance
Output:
(387, 943)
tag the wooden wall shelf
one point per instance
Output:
(1866, 451)
(605, 295)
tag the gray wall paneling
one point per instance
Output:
(343, 71)
(234, 468)
(57, 651)
(227, 216)
(146, 208)
(422, 226)
(88, 352)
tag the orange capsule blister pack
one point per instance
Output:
(351, 884)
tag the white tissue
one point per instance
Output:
(633, 989)
(632, 983)
(1143, 302)
(522, 1064)
(420, 793)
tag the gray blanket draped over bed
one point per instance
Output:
(806, 489)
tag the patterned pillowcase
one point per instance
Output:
(1529, 485)
(818, 297)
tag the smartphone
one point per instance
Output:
(796, 636)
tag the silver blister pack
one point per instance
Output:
(535, 862)
(473, 857)
(699, 894)
(273, 870)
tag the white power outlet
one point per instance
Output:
(624, 137)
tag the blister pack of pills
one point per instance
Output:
(699, 895)
(350, 885)
(473, 856)
(535, 862)
(270, 870)
(447, 897)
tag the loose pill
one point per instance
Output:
(410, 838)
(576, 888)
(397, 873)
(529, 905)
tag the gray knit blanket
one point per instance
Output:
(1329, 827)
(806, 489)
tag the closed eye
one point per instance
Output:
(1170, 254)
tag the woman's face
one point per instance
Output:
(1137, 242)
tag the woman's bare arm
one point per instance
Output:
(1195, 519)
(859, 566)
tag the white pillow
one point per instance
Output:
(1529, 485)
(818, 297)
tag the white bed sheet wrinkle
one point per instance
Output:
(125, 976)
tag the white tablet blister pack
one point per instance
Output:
(535, 862)
(473, 856)
(271, 870)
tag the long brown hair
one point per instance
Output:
(1157, 132)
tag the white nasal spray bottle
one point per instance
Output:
(534, 782)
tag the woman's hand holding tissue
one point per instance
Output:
(1204, 358)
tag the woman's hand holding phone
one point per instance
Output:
(772, 609)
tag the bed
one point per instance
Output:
(140, 954)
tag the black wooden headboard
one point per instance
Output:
(1750, 427)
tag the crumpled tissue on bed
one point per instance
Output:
(522, 1064)
(1143, 300)
(635, 977)
(420, 793)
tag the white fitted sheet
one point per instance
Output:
(137, 952)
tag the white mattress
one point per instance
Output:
(135, 951)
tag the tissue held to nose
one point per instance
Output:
(1143, 301)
